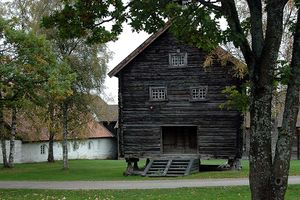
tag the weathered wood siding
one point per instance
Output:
(296, 146)
(140, 126)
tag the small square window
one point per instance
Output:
(43, 149)
(158, 93)
(199, 93)
(178, 59)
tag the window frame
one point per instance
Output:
(205, 87)
(178, 54)
(75, 146)
(90, 144)
(43, 149)
(151, 88)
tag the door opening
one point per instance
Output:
(179, 139)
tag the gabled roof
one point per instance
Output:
(104, 112)
(138, 50)
(91, 130)
(152, 38)
(33, 128)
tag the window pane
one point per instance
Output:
(43, 149)
(177, 59)
(158, 93)
(199, 93)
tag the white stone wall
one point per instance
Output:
(32, 152)
(18, 151)
(104, 148)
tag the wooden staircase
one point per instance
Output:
(171, 167)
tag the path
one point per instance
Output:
(151, 184)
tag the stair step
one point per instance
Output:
(170, 167)
(158, 167)
(173, 170)
(180, 163)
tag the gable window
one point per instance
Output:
(158, 93)
(199, 93)
(177, 59)
(43, 149)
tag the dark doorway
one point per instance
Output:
(179, 139)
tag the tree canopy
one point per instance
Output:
(29, 67)
(257, 35)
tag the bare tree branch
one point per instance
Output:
(230, 11)
(256, 21)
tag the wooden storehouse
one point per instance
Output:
(169, 104)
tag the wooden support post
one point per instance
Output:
(135, 163)
(235, 164)
(129, 168)
(132, 167)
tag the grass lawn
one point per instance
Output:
(210, 193)
(108, 170)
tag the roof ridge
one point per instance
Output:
(138, 50)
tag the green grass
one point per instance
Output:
(103, 170)
(209, 193)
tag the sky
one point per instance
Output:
(128, 41)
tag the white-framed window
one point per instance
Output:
(90, 145)
(199, 93)
(75, 146)
(43, 149)
(158, 93)
(178, 59)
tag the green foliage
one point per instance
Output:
(193, 24)
(28, 65)
(149, 15)
(196, 26)
(282, 73)
(87, 19)
(237, 98)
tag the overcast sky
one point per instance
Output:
(127, 42)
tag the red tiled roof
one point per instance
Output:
(32, 128)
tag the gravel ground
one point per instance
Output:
(151, 184)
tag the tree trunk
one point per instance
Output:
(50, 149)
(65, 134)
(4, 157)
(2, 136)
(282, 158)
(12, 137)
(51, 134)
(260, 142)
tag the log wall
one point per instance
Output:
(218, 132)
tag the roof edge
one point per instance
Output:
(138, 50)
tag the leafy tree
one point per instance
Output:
(88, 62)
(198, 22)
(28, 68)
(194, 23)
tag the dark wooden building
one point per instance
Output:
(277, 123)
(169, 103)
